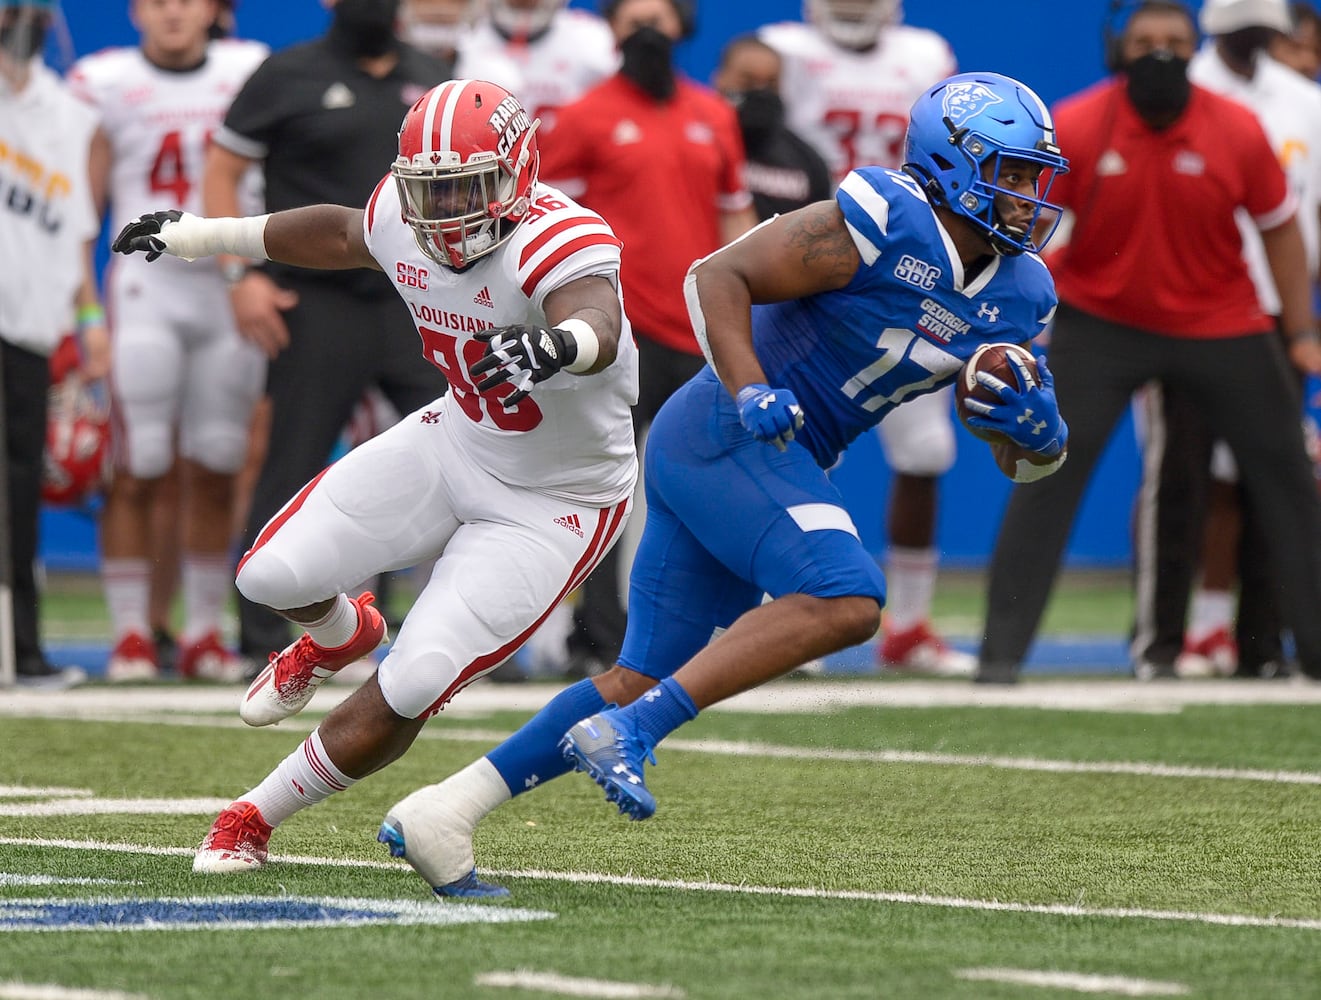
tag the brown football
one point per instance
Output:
(994, 359)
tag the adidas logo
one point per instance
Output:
(483, 298)
(571, 522)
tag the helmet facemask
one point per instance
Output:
(461, 210)
(990, 207)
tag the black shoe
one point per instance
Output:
(996, 673)
(167, 650)
(38, 675)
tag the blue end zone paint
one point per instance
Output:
(242, 913)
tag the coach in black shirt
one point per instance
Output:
(783, 172)
(320, 117)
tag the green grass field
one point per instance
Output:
(930, 840)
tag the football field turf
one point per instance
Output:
(863, 837)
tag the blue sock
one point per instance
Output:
(532, 755)
(662, 710)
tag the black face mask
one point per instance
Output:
(24, 39)
(1158, 87)
(1243, 46)
(365, 28)
(760, 114)
(647, 56)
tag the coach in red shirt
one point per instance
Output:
(660, 157)
(1152, 285)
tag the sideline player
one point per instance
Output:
(182, 378)
(516, 482)
(788, 316)
(851, 72)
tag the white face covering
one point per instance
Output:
(433, 37)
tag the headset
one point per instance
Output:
(686, 9)
(1121, 11)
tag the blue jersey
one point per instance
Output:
(905, 323)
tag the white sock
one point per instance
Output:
(304, 778)
(208, 581)
(1211, 610)
(910, 586)
(127, 585)
(337, 627)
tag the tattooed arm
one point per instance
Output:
(787, 257)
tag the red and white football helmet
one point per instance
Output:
(467, 162)
(852, 24)
(77, 457)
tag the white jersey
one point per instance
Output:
(46, 209)
(1289, 109)
(852, 107)
(573, 436)
(576, 52)
(160, 122)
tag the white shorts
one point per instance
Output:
(504, 556)
(181, 372)
(917, 436)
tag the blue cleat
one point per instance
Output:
(611, 751)
(465, 886)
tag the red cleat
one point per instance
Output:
(236, 842)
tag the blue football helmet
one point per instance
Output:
(961, 130)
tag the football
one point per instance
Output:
(993, 359)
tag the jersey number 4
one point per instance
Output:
(169, 171)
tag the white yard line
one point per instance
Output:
(847, 895)
(11, 990)
(598, 989)
(1079, 982)
(807, 696)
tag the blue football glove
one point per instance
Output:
(1029, 417)
(770, 415)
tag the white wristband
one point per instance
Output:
(589, 346)
(192, 237)
(1030, 472)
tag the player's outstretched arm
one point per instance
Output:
(328, 237)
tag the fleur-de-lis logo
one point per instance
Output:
(967, 100)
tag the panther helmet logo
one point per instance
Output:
(963, 101)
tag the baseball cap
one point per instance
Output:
(1222, 17)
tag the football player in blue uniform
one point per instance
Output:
(815, 325)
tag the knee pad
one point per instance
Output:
(217, 447)
(146, 452)
(265, 578)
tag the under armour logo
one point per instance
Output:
(633, 779)
(988, 312)
(1037, 425)
(431, 417)
(531, 781)
(653, 694)
(765, 402)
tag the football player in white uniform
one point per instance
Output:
(556, 53)
(516, 482)
(183, 380)
(851, 72)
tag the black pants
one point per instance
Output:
(341, 342)
(26, 387)
(1244, 388)
(599, 620)
(1169, 533)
